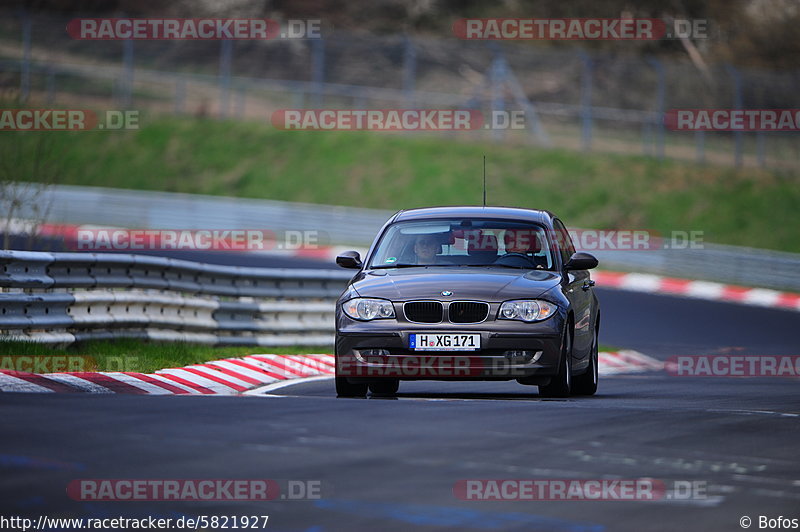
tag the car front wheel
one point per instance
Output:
(586, 384)
(561, 383)
(385, 387)
(346, 389)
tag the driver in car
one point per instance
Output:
(426, 248)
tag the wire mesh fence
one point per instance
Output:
(604, 102)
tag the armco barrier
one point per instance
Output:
(67, 297)
(356, 227)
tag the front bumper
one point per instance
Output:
(366, 351)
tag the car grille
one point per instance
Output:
(468, 311)
(423, 311)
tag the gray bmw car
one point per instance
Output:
(468, 293)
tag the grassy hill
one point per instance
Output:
(748, 207)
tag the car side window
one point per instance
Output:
(564, 240)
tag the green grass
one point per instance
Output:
(610, 191)
(130, 355)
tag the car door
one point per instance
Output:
(577, 288)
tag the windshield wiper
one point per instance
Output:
(500, 266)
(404, 265)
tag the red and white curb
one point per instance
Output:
(642, 282)
(230, 376)
(234, 376)
(627, 361)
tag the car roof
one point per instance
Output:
(476, 211)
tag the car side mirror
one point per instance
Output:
(581, 261)
(349, 259)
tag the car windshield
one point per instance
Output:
(464, 242)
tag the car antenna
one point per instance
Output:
(484, 180)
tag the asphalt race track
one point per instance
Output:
(392, 464)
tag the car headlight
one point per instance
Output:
(526, 310)
(366, 309)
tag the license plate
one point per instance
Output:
(444, 342)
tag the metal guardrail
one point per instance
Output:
(725, 264)
(68, 297)
(168, 210)
(357, 227)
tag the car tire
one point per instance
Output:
(586, 384)
(385, 387)
(347, 389)
(561, 383)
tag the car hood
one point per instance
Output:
(484, 284)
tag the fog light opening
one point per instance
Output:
(375, 352)
(521, 356)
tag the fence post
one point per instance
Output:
(647, 139)
(127, 73)
(660, 100)
(409, 70)
(318, 70)
(586, 101)
(180, 95)
(738, 136)
(700, 146)
(225, 57)
(25, 73)
(299, 99)
(51, 85)
(241, 97)
(497, 75)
